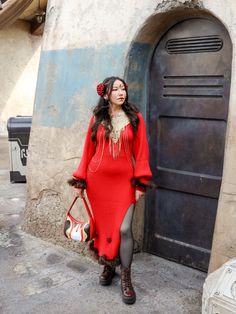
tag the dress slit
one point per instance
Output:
(109, 169)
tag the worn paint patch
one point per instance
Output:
(67, 82)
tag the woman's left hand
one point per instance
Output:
(138, 195)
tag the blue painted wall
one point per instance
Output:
(67, 80)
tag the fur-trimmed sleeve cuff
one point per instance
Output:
(143, 183)
(77, 183)
(139, 185)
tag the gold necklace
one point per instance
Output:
(118, 121)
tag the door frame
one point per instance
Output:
(140, 53)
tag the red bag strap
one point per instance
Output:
(87, 208)
(85, 203)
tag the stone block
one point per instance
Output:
(219, 290)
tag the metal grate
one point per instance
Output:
(193, 86)
(196, 44)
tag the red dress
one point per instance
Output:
(108, 180)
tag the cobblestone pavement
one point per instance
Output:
(37, 277)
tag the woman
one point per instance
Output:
(115, 172)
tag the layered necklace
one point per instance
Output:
(118, 121)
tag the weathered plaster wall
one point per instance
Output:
(19, 58)
(224, 241)
(84, 42)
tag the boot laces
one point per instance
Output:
(107, 269)
(127, 280)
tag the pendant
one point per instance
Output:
(115, 147)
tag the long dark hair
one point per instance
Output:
(101, 111)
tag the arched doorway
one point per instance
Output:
(189, 84)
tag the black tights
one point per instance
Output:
(126, 239)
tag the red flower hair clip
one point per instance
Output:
(101, 89)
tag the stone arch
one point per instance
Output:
(142, 47)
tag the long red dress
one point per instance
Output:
(108, 180)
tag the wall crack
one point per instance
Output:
(166, 5)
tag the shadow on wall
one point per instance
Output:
(19, 58)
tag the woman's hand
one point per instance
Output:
(79, 192)
(138, 195)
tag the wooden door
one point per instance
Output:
(189, 86)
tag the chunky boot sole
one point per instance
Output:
(106, 282)
(127, 290)
(129, 300)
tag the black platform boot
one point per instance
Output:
(106, 276)
(128, 293)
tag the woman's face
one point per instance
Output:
(118, 93)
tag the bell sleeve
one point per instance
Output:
(80, 174)
(142, 171)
